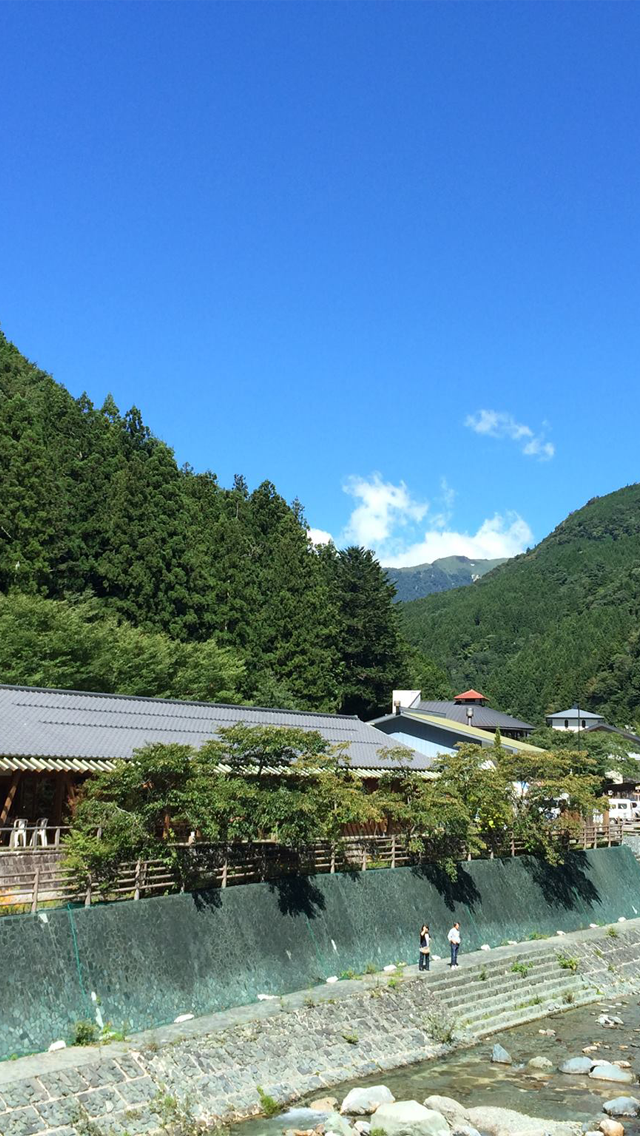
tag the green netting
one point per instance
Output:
(151, 960)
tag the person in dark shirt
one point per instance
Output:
(425, 948)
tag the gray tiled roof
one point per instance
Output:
(484, 718)
(39, 722)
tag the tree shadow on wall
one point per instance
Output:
(564, 885)
(298, 895)
(207, 899)
(459, 892)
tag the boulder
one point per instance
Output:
(464, 1130)
(576, 1065)
(622, 1106)
(362, 1127)
(324, 1104)
(539, 1063)
(408, 1118)
(450, 1108)
(608, 1072)
(611, 1127)
(506, 1122)
(336, 1123)
(499, 1055)
(609, 1021)
(362, 1102)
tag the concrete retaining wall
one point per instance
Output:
(306, 1042)
(149, 961)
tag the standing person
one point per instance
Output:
(454, 942)
(425, 948)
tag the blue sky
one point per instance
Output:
(386, 255)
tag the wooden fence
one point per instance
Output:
(45, 881)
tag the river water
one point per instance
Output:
(468, 1076)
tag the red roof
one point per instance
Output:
(469, 694)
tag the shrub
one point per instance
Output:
(269, 1106)
(351, 1038)
(568, 962)
(612, 932)
(85, 1032)
(520, 968)
(440, 1025)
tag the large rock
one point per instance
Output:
(499, 1055)
(506, 1122)
(324, 1104)
(608, 1072)
(362, 1102)
(576, 1065)
(611, 1127)
(464, 1130)
(336, 1123)
(539, 1063)
(450, 1108)
(408, 1118)
(622, 1106)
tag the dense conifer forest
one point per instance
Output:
(557, 624)
(120, 571)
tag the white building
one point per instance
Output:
(575, 719)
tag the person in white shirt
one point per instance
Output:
(454, 942)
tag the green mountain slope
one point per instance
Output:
(553, 625)
(120, 570)
(439, 576)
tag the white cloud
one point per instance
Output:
(501, 424)
(502, 535)
(319, 536)
(383, 508)
(386, 518)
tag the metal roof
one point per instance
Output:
(94, 730)
(484, 717)
(575, 712)
(459, 729)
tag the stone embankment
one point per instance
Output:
(306, 1042)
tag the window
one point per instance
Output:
(566, 723)
(584, 724)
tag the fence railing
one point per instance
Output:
(51, 883)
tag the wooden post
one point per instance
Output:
(364, 858)
(59, 795)
(332, 866)
(224, 872)
(513, 844)
(11, 792)
(87, 894)
(34, 894)
(136, 894)
(393, 851)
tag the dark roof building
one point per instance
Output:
(435, 734)
(469, 708)
(51, 738)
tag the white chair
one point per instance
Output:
(18, 838)
(40, 833)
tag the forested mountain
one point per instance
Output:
(120, 571)
(438, 576)
(556, 624)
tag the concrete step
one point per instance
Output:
(550, 992)
(507, 984)
(523, 1014)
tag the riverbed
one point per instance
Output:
(468, 1076)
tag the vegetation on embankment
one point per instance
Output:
(557, 625)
